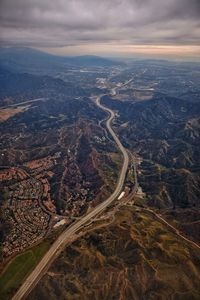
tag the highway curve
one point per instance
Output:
(65, 237)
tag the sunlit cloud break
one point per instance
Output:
(130, 50)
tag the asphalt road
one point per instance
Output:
(68, 234)
(24, 103)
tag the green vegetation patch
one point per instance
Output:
(19, 268)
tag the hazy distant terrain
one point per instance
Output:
(22, 59)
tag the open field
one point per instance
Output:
(7, 113)
(19, 268)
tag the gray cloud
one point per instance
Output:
(59, 23)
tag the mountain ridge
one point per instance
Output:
(34, 61)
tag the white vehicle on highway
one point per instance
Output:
(121, 195)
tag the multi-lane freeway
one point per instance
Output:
(67, 235)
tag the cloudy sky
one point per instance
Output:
(107, 27)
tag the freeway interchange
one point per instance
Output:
(68, 234)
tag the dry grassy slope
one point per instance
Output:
(186, 220)
(135, 257)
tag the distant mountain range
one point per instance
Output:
(31, 60)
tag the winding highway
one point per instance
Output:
(68, 234)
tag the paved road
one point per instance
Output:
(68, 234)
(24, 103)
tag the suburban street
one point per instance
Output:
(67, 235)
